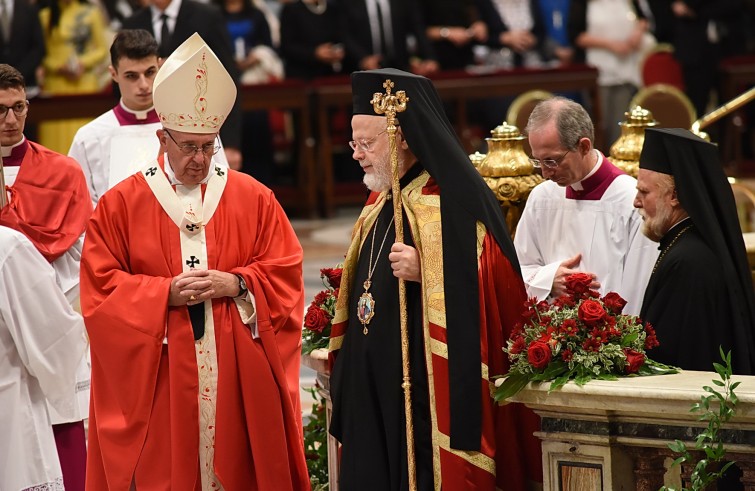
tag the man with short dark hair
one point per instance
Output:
(581, 219)
(700, 293)
(48, 203)
(117, 143)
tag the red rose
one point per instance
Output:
(591, 312)
(333, 275)
(614, 302)
(539, 354)
(578, 283)
(316, 319)
(635, 360)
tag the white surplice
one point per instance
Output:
(607, 232)
(66, 269)
(42, 342)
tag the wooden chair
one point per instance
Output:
(660, 67)
(671, 108)
(521, 107)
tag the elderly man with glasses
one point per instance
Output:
(581, 219)
(193, 299)
(49, 203)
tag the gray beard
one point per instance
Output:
(654, 229)
(380, 179)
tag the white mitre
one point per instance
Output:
(192, 91)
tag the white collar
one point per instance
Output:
(577, 186)
(140, 115)
(7, 150)
(172, 175)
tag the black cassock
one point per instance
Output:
(689, 302)
(368, 400)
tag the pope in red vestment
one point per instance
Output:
(192, 296)
(144, 392)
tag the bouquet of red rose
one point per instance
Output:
(581, 336)
(319, 316)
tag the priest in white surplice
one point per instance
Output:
(40, 350)
(119, 142)
(581, 219)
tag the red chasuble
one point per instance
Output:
(49, 202)
(144, 412)
(509, 454)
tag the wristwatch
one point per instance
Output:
(444, 32)
(242, 286)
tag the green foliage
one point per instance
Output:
(316, 444)
(718, 407)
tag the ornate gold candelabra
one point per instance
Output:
(625, 152)
(390, 104)
(507, 171)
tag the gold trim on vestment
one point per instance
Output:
(423, 215)
(440, 348)
(477, 459)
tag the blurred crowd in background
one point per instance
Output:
(61, 46)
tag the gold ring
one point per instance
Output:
(192, 298)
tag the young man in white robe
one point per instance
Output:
(49, 203)
(119, 142)
(581, 219)
(40, 350)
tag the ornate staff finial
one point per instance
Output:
(388, 103)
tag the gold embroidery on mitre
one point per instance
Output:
(200, 119)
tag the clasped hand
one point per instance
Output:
(197, 285)
(405, 262)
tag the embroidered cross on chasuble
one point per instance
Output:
(191, 213)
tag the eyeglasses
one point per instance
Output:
(548, 163)
(365, 145)
(190, 149)
(19, 109)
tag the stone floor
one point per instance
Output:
(324, 242)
